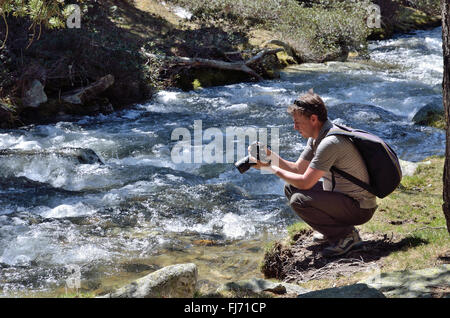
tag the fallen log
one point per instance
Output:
(85, 94)
(243, 66)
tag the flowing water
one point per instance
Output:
(141, 210)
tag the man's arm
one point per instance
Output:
(299, 166)
(303, 181)
(299, 173)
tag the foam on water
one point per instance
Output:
(22, 142)
(68, 210)
(25, 248)
(49, 243)
(420, 55)
(229, 225)
(140, 201)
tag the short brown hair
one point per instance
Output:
(308, 104)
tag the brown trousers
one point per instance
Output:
(333, 214)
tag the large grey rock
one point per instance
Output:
(412, 284)
(409, 168)
(428, 113)
(362, 113)
(350, 291)
(174, 281)
(259, 285)
(34, 95)
(80, 155)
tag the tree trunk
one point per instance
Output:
(446, 97)
(234, 66)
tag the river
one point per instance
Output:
(141, 210)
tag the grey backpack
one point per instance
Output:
(381, 161)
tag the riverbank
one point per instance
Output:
(117, 57)
(408, 232)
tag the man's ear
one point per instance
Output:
(314, 118)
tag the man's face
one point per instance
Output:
(303, 124)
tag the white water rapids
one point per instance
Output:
(141, 205)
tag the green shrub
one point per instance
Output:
(314, 29)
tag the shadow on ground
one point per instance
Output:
(302, 261)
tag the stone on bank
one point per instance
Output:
(423, 283)
(259, 285)
(350, 291)
(174, 281)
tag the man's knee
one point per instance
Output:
(299, 203)
(299, 200)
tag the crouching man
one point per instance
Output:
(331, 208)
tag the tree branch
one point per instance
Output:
(234, 66)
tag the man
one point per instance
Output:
(333, 213)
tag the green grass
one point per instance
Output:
(296, 228)
(414, 213)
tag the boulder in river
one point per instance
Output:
(429, 114)
(361, 113)
(174, 281)
(81, 155)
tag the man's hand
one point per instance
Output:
(259, 164)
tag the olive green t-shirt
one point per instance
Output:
(339, 151)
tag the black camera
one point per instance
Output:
(244, 164)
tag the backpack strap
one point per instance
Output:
(350, 178)
(347, 132)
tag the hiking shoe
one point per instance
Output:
(343, 245)
(319, 238)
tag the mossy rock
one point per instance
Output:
(432, 115)
(405, 20)
(286, 57)
(197, 78)
(408, 19)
